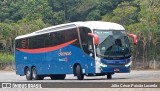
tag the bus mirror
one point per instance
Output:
(135, 38)
(96, 38)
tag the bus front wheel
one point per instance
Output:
(28, 74)
(79, 74)
(35, 76)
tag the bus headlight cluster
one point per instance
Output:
(103, 65)
(130, 63)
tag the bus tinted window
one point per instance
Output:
(84, 34)
(60, 37)
(54, 38)
(49, 39)
(22, 43)
(71, 34)
(18, 44)
(36, 42)
(87, 41)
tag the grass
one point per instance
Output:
(6, 57)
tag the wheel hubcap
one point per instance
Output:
(28, 73)
(34, 74)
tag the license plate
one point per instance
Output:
(116, 70)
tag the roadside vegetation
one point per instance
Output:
(6, 58)
(141, 17)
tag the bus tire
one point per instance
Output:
(79, 74)
(28, 74)
(109, 76)
(35, 76)
(58, 76)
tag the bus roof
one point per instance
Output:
(90, 24)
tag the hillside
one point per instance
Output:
(141, 17)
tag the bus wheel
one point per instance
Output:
(35, 76)
(109, 76)
(58, 76)
(28, 74)
(79, 74)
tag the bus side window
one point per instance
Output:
(19, 43)
(54, 38)
(24, 43)
(90, 44)
(45, 38)
(87, 41)
(32, 42)
(72, 34)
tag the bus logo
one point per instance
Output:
(65, 53)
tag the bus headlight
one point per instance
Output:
(103, 65)
(128, 64)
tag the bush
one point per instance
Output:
(6, 58)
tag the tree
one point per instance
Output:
(9, 31)
(124, 14)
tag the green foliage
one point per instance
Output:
(94, 15)
(124, 14)
(6, 58)
(9, 31)
(141, 17)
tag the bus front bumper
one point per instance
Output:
(115, 68)
(121, 69)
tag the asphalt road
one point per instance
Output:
(134, 76)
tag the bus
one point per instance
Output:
(88, 48)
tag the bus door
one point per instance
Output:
(88, 49)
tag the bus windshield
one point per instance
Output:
(113, 44)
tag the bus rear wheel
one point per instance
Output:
(58, 76)
(79, 74)
(35, 76)
(28, 74)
